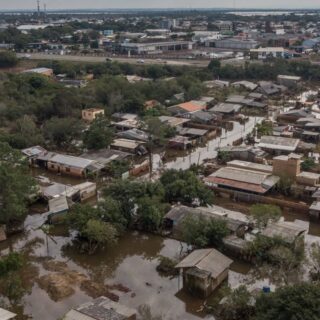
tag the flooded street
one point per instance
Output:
(199, 155)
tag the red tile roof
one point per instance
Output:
(191, 107)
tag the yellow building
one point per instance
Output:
(91, 114)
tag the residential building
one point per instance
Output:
(270, 52)
(187, 107)
(131, 146)
(232, 43)
(287, 231)
(278, 145)
(43, 71)
(237, 223)
(245, 180)
(154, 47)
(91, 114)
(101, 308)
(203, 271)
(288, 81)
(226, 109)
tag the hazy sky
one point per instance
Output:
(73, 4)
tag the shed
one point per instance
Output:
(203, 271)
(57, 208)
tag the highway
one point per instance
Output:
(87, 58)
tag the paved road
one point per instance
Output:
(42, 56)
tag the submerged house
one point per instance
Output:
(237, 223)
(61, 163)
(203, 271)
(101, 308)
(287, 231)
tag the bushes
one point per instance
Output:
(8, 59)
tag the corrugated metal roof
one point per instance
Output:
(226, 108)
(235, 185)
(278, 143)
(6, 315)
(250, 165)
(241, 175)
(209, 260)
(288, 231)
(71, 161)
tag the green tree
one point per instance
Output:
(264, 129)
(91, 227)
(150, 214)
(315, 262)
(308, 164)
(99, 135)
(8, 59)
(215, 66)
(300, 302)
(158, 134)
(262, 214)
(201, 232)
(185, 187)
(16, 185)
(238, 305)
(61, 131)
(98, 234)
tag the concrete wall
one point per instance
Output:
(71, 171)
(283, 168)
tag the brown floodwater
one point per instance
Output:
(131, 262)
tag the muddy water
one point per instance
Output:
(132, 263)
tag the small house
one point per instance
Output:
(236, 222)
(131, 146)
(289, 81)
(187, 107)
(58, 207)
(101, 308)
(150, 104)
(278, 145)
(203, 271)
(91, 114)
(287, 231)
(226, 109)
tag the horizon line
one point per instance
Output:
(169, 9)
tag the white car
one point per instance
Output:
(140, 61)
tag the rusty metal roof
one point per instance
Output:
(209, 260)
